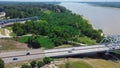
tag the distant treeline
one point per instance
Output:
(105, 4)
(4, 4)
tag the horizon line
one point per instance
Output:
(59, 1)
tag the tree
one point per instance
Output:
(33, 63)
(2, 63)
(25, 66)
(60, 25)
(33, 41)
(18, 29)
(40, 64)
(47, 60)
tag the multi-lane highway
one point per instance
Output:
(37, 53)
(75, 50)
(21, 55)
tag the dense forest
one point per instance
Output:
(55, 23)
(23, 9)
(105, 4)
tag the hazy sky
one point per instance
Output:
(61, 0)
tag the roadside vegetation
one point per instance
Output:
(36, 41)
(117, 52)
(38, 64)
(95, 63)
(2, 64)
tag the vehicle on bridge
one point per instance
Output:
(28, 53)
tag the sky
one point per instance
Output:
(61, 0)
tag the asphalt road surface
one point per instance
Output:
(21, 55)
(38, 53)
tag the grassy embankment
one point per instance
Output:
(86, 40)
(79, 64)
(44, 41)
(74, 63)
(10, 44)
(90, 63)
(117, 52)
(47, 43)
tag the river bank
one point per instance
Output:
(104, 18)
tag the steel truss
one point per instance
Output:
(113, 43)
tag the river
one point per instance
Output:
(105, 18)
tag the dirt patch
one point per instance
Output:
(8, 44)
(5, 32)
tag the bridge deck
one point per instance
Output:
(75, 50)
(21, 55)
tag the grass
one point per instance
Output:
(12, 34)
(23, 39)
(8, 28)
(117, 52)
(88, 63)
(100, 63)
(19, 64)
(78, 64)
(74, 63)
(86, 40)
(47, 11)
(2, 31)
(44, 41)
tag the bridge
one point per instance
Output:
(109, 43)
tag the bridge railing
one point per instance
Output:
(112, 41)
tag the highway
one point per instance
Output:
(37, 53)
(75, 50)
(21, 55)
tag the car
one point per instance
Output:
(15, 58)
(73, 48)
(28, 53)
(70, 51)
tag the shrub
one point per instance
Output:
(2, 63)
(33, 63)
(25, 66)
(34, 41)
(40, 64)
(47, 60)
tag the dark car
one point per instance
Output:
(15, 58)
(28, 53)
(70, 51)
